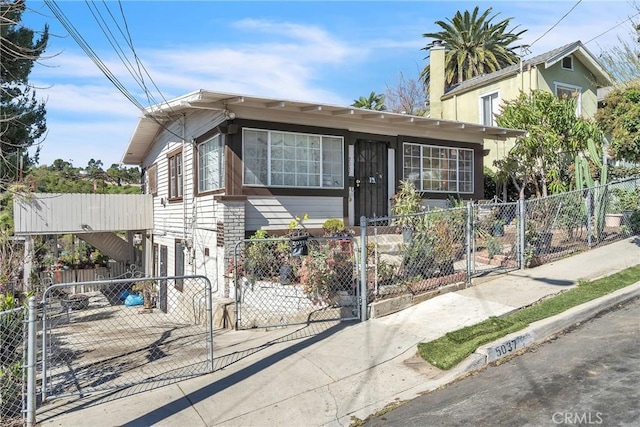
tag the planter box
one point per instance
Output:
(613, 220)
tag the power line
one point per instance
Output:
(75, 34)
(614, 27)
(554, 25)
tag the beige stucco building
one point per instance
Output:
(569, 69)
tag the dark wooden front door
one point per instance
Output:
(371, 198)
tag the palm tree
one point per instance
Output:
(373, 102)
(473, 45)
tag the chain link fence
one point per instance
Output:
(417, 253)
(294, 280)
(560, 225)
(125, 332)
(12, 359)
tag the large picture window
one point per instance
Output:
(438, 169)
(211, 164)
(175, 176)
(287, 159)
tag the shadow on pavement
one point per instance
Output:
(555, 282)
(313, 332)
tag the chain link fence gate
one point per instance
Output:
(13, 336)
(295, 280)
(125, 332)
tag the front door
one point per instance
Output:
(371, 198)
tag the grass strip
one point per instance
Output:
(449, 350)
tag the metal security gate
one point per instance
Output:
(286, 281)
(114, 335)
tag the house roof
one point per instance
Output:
(603, 78)
(301, 112)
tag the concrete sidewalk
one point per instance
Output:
(326, 374)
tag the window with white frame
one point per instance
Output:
(569, 91)
(489, 108)
(438, 169)
(567, 62)
(175, 176)
(290, 159)
(152, 180)
(211, 164)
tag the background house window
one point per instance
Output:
(288, 159)
(489, 108)
(175, 176)
(152, 180)
(565, 90)
(567, 63)
(211, 164)
(438, 169)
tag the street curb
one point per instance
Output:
(543, 329)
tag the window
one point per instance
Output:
(175, 176)
(287, 159)
(489, 108)
(211, 164)
(565, 90)
(152, 180)
(179, 267)
(438, 169)
(567, 63)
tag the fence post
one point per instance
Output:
(32, 345)
(521, 233)
(363, 269)
(209, 302)
(468, 239)
(589, 218)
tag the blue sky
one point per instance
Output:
(330, 51)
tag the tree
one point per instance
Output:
(474, 45)
(623, 60)
(22, 115)
(620, 118)
(406, 96)
(373, 102)
(555, 135)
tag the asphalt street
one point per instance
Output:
(586, 376)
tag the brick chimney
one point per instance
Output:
(436, 84)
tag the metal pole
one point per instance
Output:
(209, 303)
(522, 237)
(363, 270)
(589, 218)
(468, 240)
(32, 345)
(44, 345)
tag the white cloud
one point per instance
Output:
(80, 141)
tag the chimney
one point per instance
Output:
(436, 83)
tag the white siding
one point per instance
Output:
(192, 218)
(277, 212)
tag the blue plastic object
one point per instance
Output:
(133, 299)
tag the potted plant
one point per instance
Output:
(445, 246)
(260, 258)
(148, 289)
(625, 202)
(404, 205)
(418, 256)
